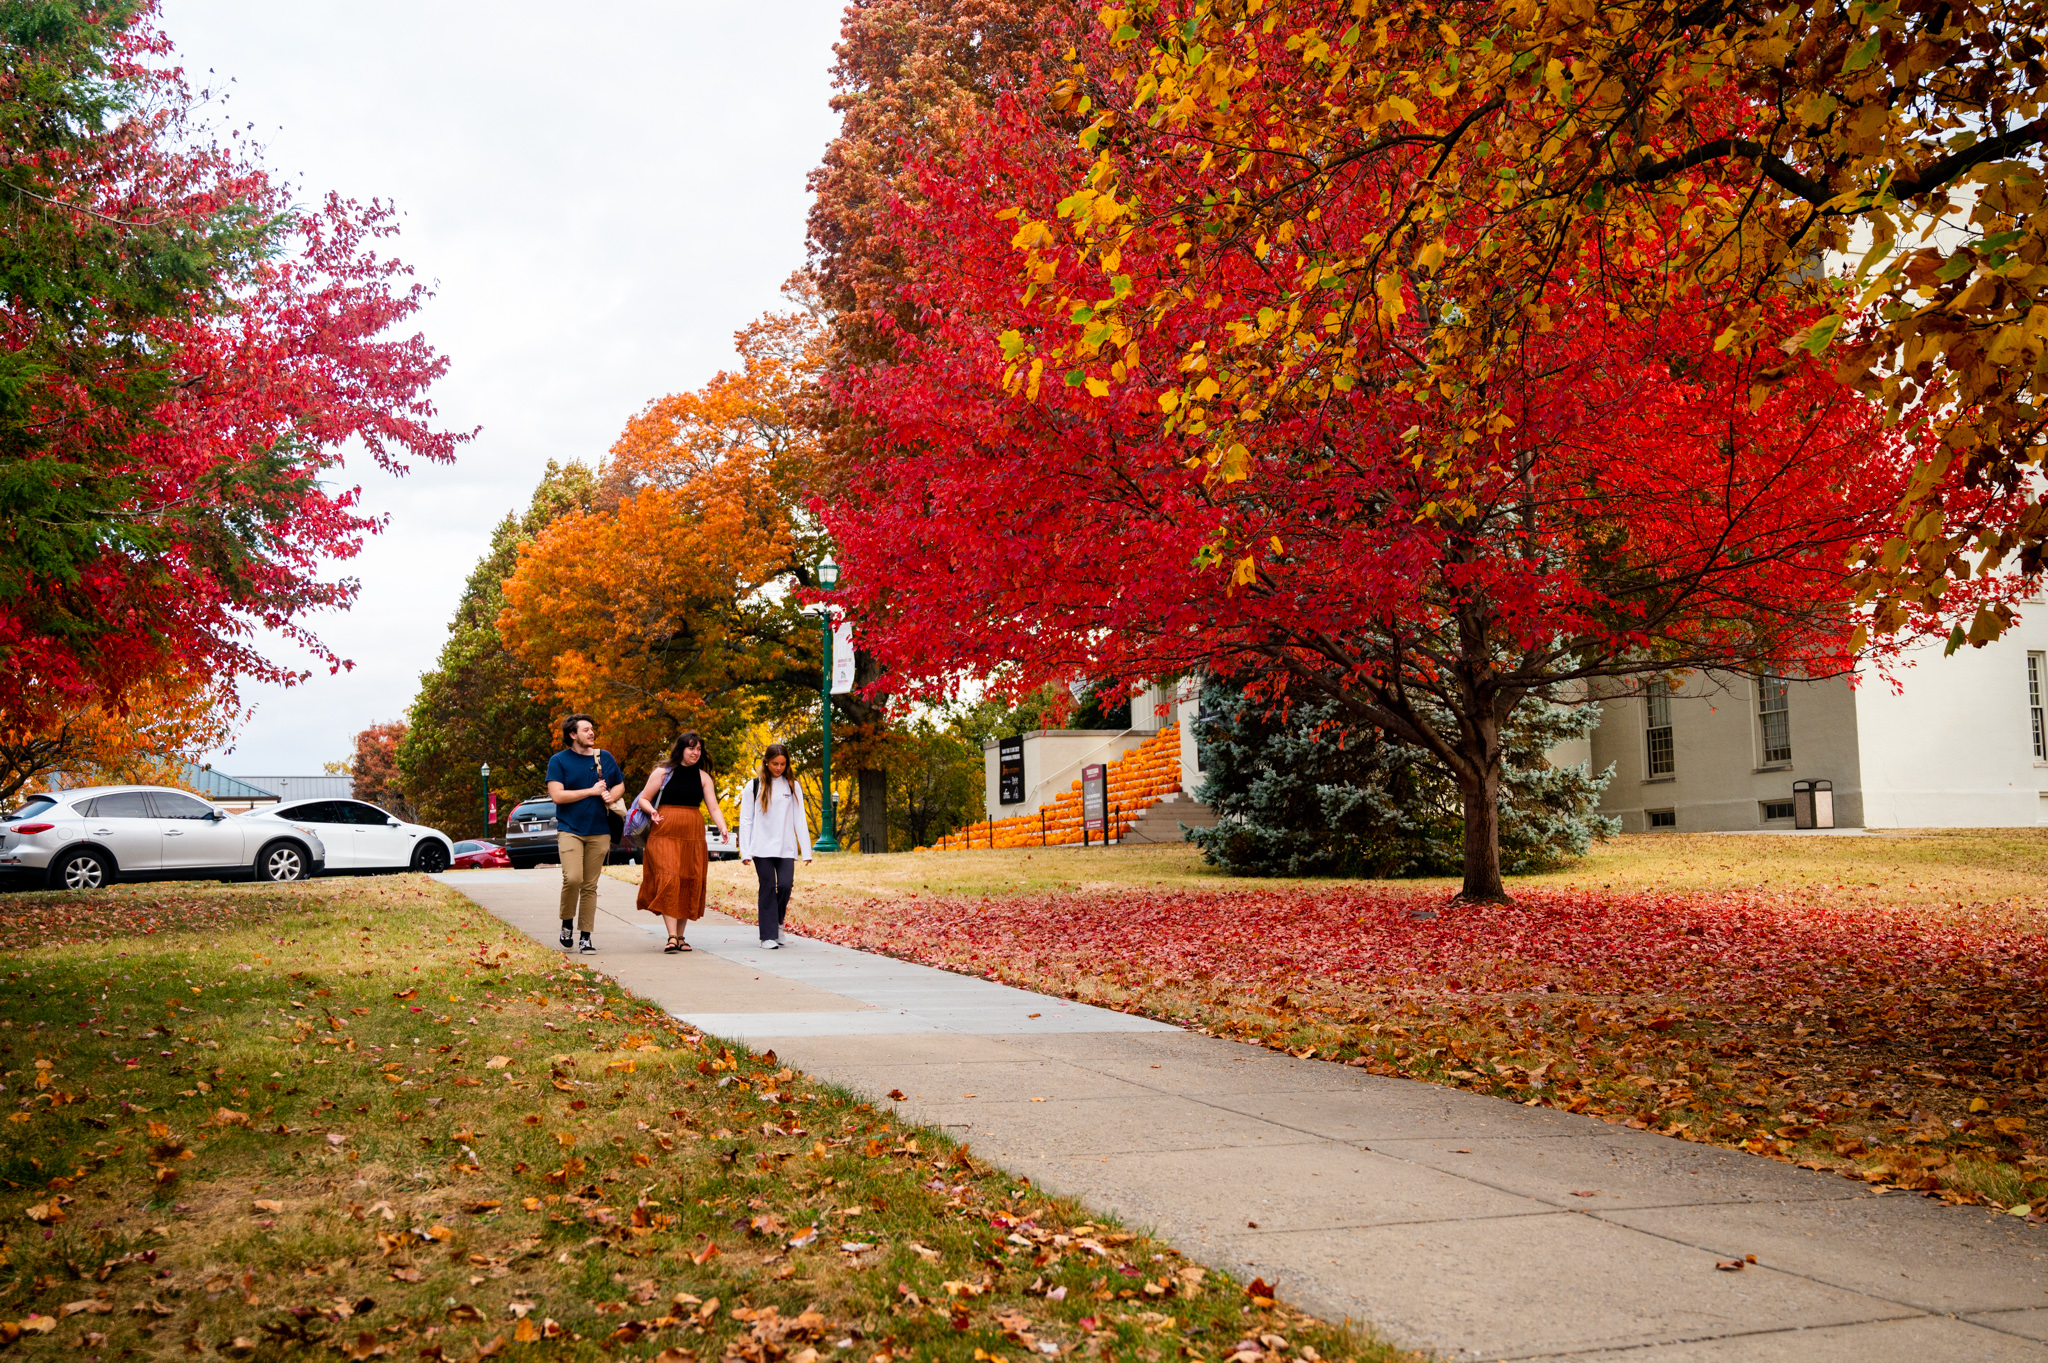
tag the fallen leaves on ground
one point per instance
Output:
(1904, 1048)
(648, 1192)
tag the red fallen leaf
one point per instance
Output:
(1262, 1292)
(705, 1255)
(896, 1095)
(1728, 1265)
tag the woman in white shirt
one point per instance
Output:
(775, 829)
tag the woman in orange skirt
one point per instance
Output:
(675, 863)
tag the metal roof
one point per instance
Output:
(219, 786)
(304, 787)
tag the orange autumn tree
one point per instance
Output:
(765, 415)
(147, 739)
(671, 604)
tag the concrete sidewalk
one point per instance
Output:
(1455, 1223)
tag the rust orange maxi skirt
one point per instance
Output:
(675, 864)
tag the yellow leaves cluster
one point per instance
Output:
(1563, 145)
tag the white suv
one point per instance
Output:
(89, 838)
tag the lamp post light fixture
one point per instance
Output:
(828, 821)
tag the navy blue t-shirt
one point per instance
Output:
(577, 772)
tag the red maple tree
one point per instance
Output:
(1636, 502)
(187, 353)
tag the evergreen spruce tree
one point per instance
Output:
(1309, 793)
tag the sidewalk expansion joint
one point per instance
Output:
(1673, 1340)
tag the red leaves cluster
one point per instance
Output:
(1696, 948)
(1756, 1020)
(177, 446)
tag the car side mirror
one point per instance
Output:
(215, 815)
(393, 823)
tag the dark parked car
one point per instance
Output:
(530, 833)
(530, 836)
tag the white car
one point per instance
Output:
(89, 838)
(361, 837)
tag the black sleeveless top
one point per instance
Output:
(685, 787)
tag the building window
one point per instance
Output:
(2036, 662)
(1777, 809)
(1772, 709)
(1661, 759)
(1663, 818)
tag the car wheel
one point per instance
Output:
(281, 862)
(430, 857)
(81, 870)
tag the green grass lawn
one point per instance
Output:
(361, 1118)
(1995, 875)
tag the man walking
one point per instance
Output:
(582, 780)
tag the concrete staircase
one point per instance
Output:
(1162, 820)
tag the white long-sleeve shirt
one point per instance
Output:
(783, 830)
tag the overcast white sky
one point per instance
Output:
(600, 195)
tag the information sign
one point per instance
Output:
(1010, 771)
(1095, 798)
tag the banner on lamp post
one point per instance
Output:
(493, 816)
(842, 656)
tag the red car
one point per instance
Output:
(476, 856)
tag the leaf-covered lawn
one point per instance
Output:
(360, 1119)
(1906, 1048)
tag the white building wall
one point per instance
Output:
(1720, 782)
(1953, 747)
(1053, 759)
(1950, 746)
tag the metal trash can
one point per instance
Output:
(1813, 804)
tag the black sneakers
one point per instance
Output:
(585, 946)
(568, 933)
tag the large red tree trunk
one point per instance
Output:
(1479, 781)
(1482, 838)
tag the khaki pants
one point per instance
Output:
(582, 863)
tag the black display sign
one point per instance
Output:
(1095, 799)
(1010, 771)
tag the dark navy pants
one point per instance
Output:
(777, 876)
